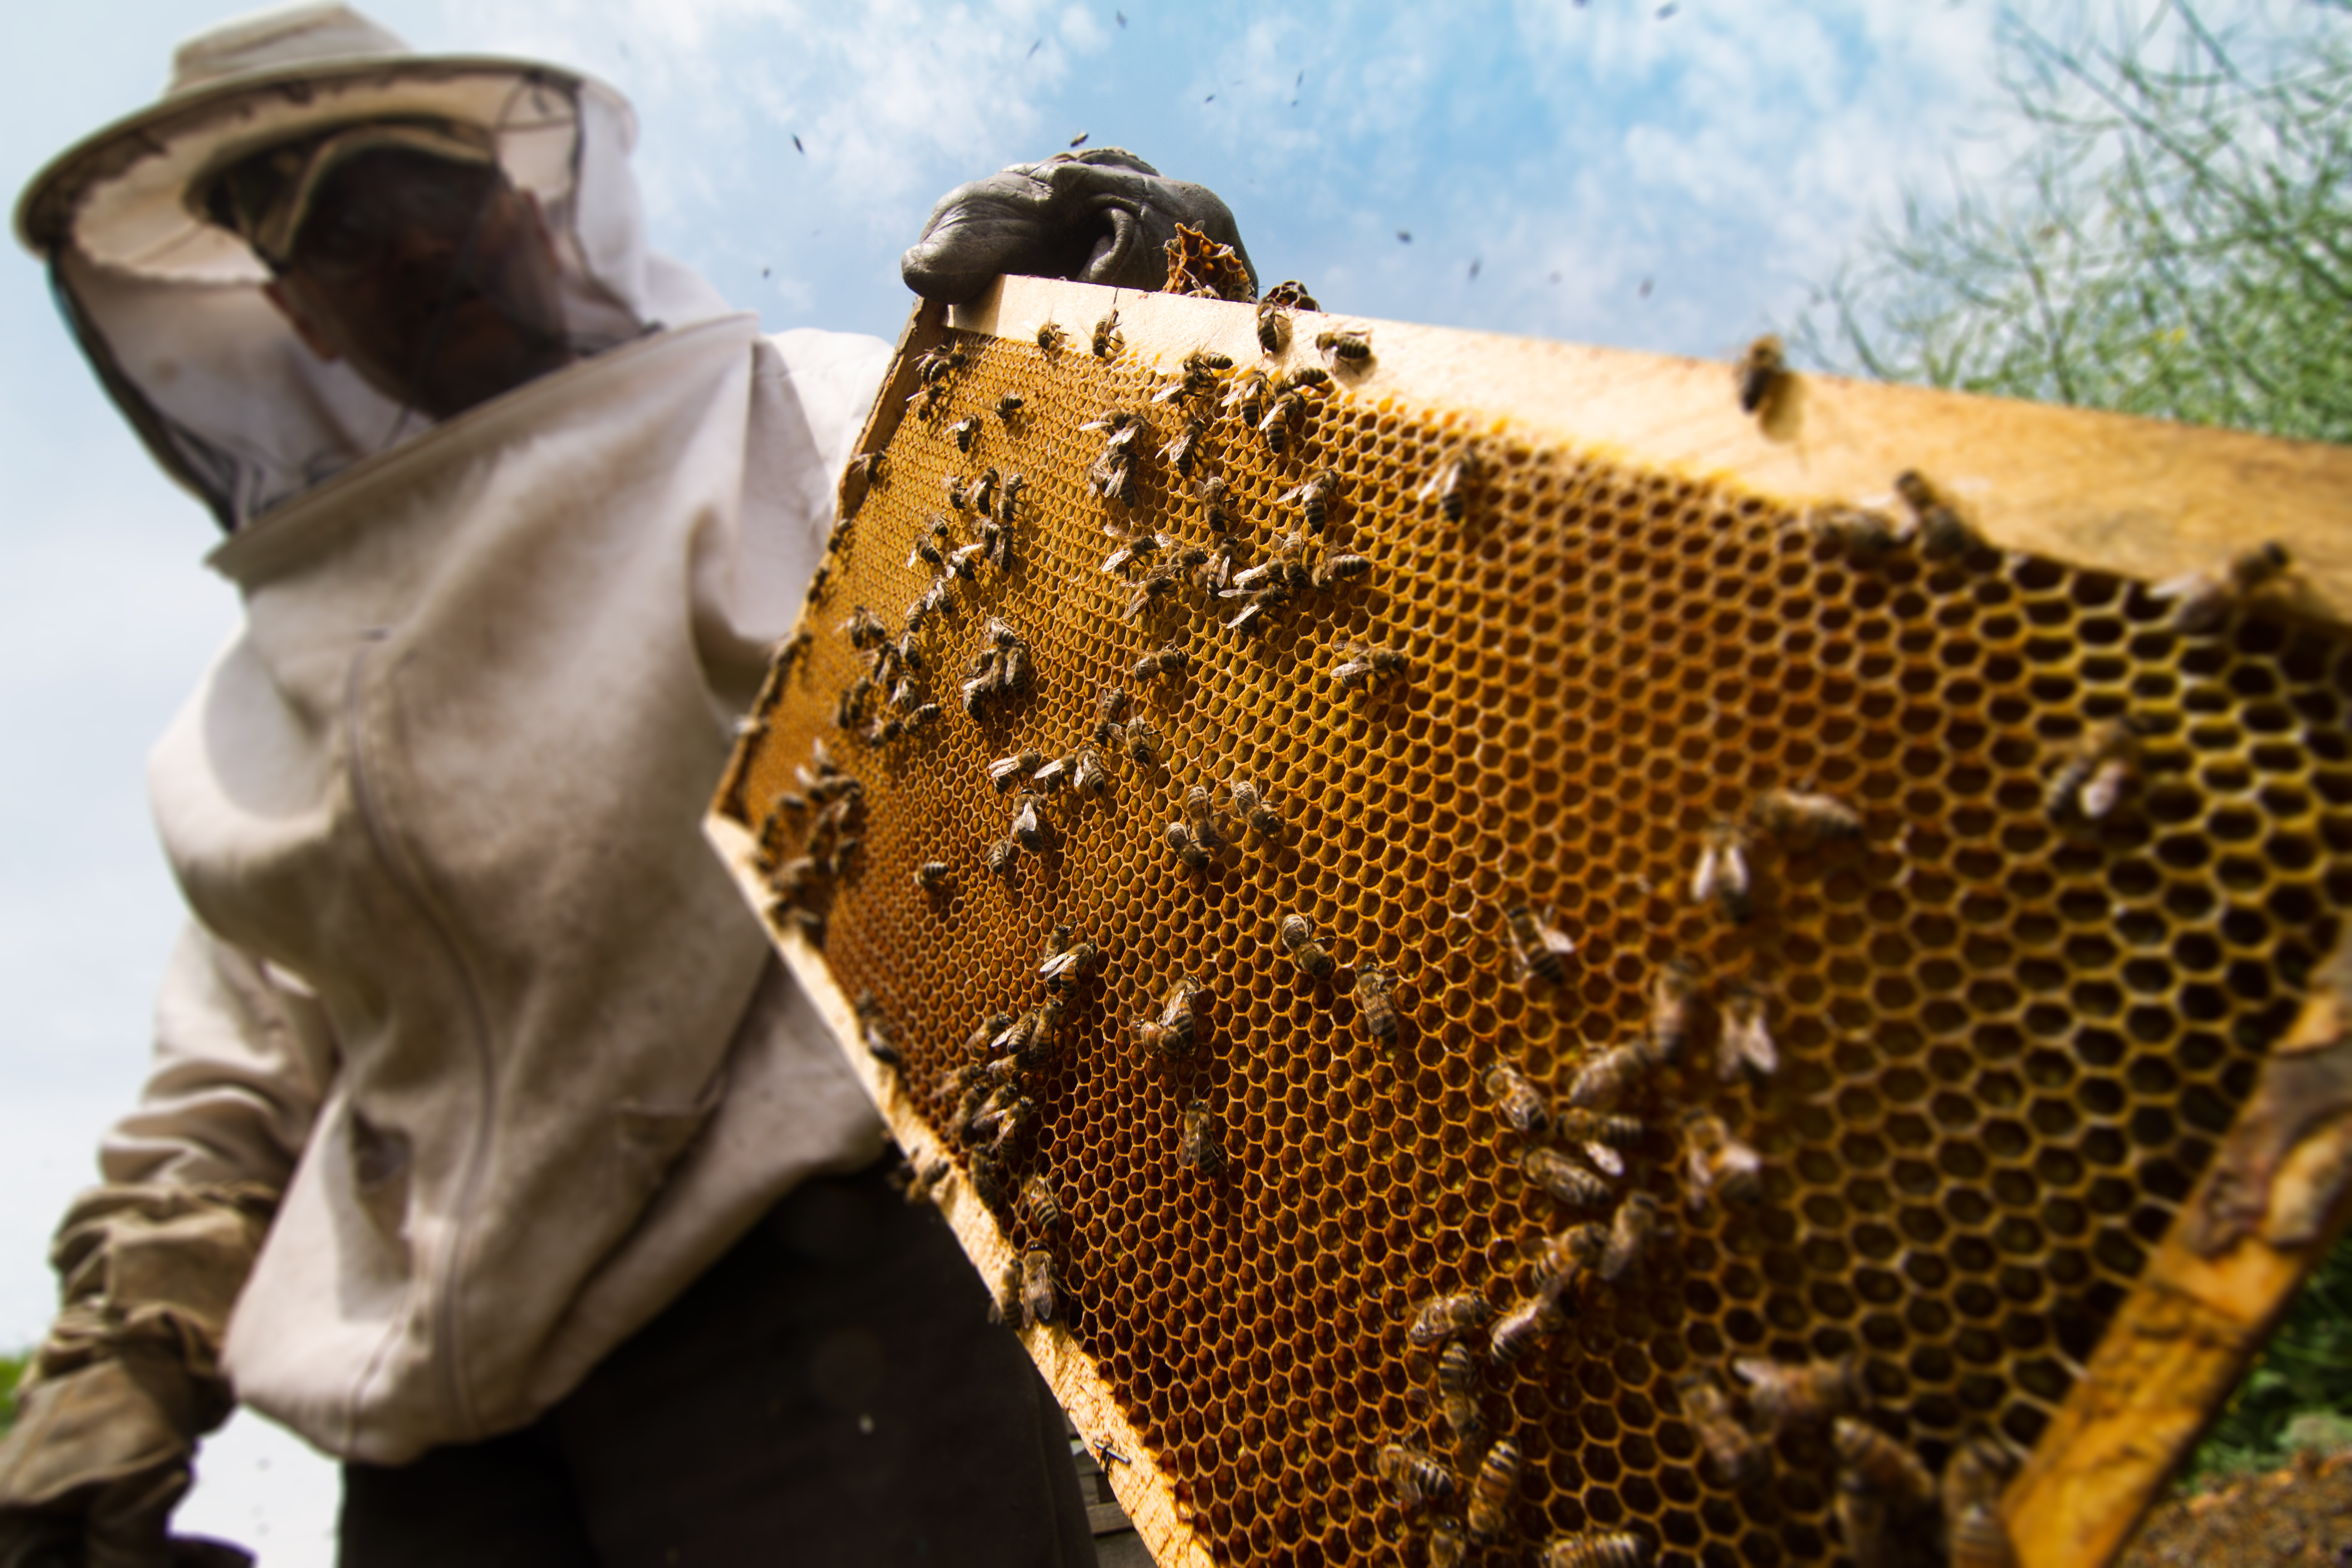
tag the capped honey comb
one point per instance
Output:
(2009, 1038)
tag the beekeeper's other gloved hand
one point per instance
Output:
(128, 1377)
(1103, 216)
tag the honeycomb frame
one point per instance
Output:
(1626, 638)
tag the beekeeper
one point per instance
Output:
(487, 1145)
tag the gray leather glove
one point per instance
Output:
(128, 1379)
(1103, 216)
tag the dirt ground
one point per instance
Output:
(2301, 1515)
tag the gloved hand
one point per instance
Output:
(1103, 216)
(128, 1379)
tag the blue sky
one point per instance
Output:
(1666, 177)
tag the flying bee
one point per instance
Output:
(1524, 1326)
(1199, 1150)
(998, 857)
(1088, 776)
(1457, 1390)
(1249, 803)
(1759, 370)
(1107, 340)
(1247, 396)
(1341, 569)
(1444, 1316)
(2200, 599)
(1600, 1137)
(1446, 1548)
(1972, 1483)
(1414, 1477)
(1861, 533)
(2099, 765)
(1181, 451)
(1037, 1303)
(1637, 1222)
(1812, 1394)
(1450, 485)
(1314, 498)
(1050, 337)
(1169, 660)
(1596, 1548)
(1491, 1489)
(1005, 772)
(1885, 1499)
(1719, 1162)
(865, 628)
(1940, 529)
(1537, 947)
(1027, 830)
(1350, 348)
(1721, 878)
(1071, 962)
(1296, 934)
(1601, 1082)
(1273, 327)
(1143, 744)
(1737, 1456)
(1744, 1041)
(1044, 1208)
(931, 875)
(1807, 817)
(1563, 1178)
(1376, 999)
(1363, 666)
(1188, 849)
(1515, 1099)
(963, 430)
(1673, 1006)
(1004, 1300)
(1009, 406)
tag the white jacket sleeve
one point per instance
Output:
(243, 1056)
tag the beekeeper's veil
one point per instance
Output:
(168, 305)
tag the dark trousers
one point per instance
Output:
(830, 1393)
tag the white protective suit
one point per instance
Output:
(463, 978)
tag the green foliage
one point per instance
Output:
(2299, 1393)
(2176, 240)
(11, 1369)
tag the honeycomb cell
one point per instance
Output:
(2006, 1046)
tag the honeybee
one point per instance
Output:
(963, 430)
(1027, 830)
(1563, 1178)
(1258, 603)
(1143, 744)
(1169, 660)
(980, 1039)
(922, 1180)
(936, 599)
(1362, 666)
(1314, 498)
(1199, 1150)
(982, 493)
(1050, 337)
(1515, 1099)
(2201, 598)
(1601, 1082)
(1188, 849)
(1340, 569)
(1037, 1302)
(927, 550)
(1296, 934)
(1246, 396)
(1013, 672)
(1072, 964)
(1596, 1548)
(998, 856)
(1050, 776)
(1972, 1485)
(1349, 347)
(1812, 818)
(1457, 1390)
(1442, 1318)
(1273, 327)
(1005, 772)
(1449, 487)
(1722, 875)
(807, 922)
(1536, 946)
(1037, 1198)
(1009, 406)
(876, 1039)
(1744, 1040)
(2099, 766)
(1759, 370)
(850, 705)
(1305, 375)
(865, 628)
(965, 560)
(1249, 803)
(1446, 1548)
(1088, 776)
(1375, 999)
(1004, 1301)
(1524, 1326)
(1211, 493)
(1152, 590)
(1600, 1137)
(1491, 1489)
(1719, 1162)
(1107, 340)
(1637, 1222)
(931, 875)
(1109, 703)
(1787, 1397)
(1859, 532)
(1181, 451)
(1414, 1477)
(1885, 1499)
(957, 500)
(1737, 1456)
(1007, 506)
(1941, 530)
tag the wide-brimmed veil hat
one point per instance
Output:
(167, 303)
